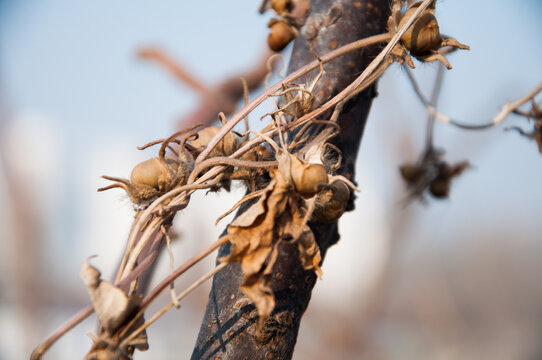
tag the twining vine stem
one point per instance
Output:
(128, 267)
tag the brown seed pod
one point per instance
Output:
(154, 172)
(307, 177)
(282, 6)
(331, 202)
(440, 187)
(410, 172)
(424, 34)
(281, 34)
(154, 177)
(149, 180)
(225, 147)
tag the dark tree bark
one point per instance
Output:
(230, 326)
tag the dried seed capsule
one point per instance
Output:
(227, 146)
(307, 177)
(440, 187)
(423, 36)
(282, 6)
(155, 172)
(280, 35)
(331, 203)
(410, 172)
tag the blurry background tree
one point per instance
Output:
(456, 279)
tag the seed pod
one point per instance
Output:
(440, 187)
(307, 177)
(147, 172)
(258, 153)
(282, 6)
(331, 203)
(423, 36)
(225, 147)
(410, 172)
(280, 35)
(155, 172)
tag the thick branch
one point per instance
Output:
(230, 326)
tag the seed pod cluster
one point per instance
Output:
(433, 174)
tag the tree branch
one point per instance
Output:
(230, 327)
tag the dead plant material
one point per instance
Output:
(113, 309)
(280, 214)
(154, 177)
(534, 115)
(283, 29)
(331, 202)
(423, 39)
(281, 34)
(432, 174)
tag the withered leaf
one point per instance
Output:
(111, 304)
(256, 234)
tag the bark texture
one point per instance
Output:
(230, 328)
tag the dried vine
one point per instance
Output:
(299, 174)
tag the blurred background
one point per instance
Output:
(452, 279)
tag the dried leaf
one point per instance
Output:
(256, 234)
(111, 304)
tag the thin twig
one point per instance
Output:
(433, 102)
(173, 66)
(222, 160)
(506, 110)
(415, 85)
(76, 319)
(147, 213)
(247, 197)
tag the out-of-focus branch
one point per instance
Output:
(220, 97)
